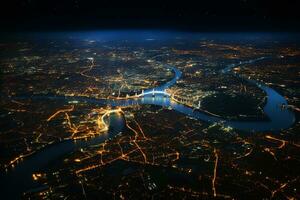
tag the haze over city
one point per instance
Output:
(149, 100)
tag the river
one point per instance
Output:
(19, 179)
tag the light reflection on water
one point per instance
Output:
(19, 179)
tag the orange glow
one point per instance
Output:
(60, 111)
(215, 173)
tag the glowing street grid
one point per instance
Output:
(148, 114)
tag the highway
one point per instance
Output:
(19, 180)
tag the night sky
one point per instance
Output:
(200, 15)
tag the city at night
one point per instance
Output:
(149, 100)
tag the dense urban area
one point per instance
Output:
(76, 122)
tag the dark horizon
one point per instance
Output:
(149, 99)
(204, 16)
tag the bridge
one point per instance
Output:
(153, 92)
(146, 93)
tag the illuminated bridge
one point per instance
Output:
(154, 92)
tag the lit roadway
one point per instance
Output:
(279, 117)
(19, 180)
